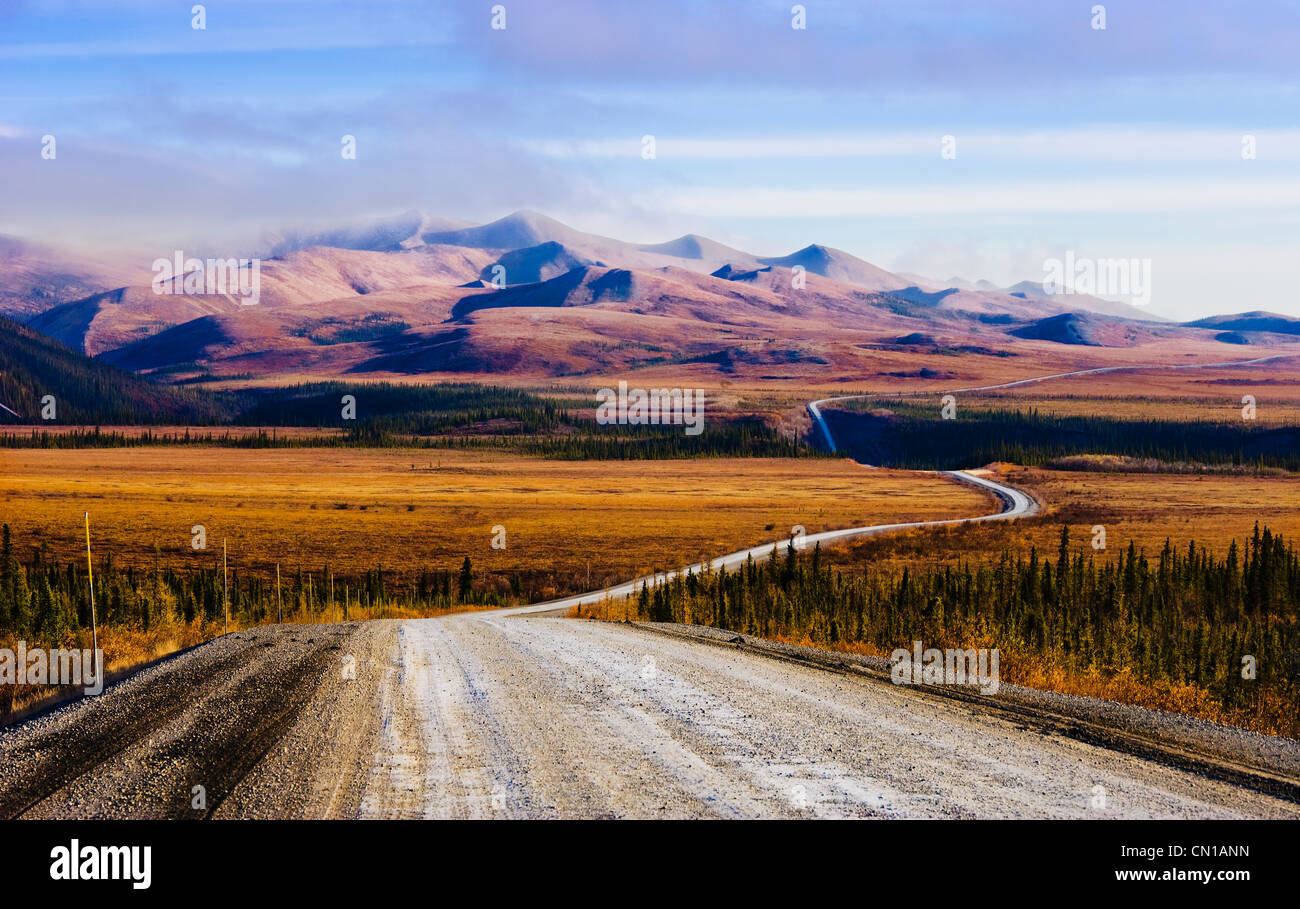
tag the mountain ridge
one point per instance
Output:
(565, 301)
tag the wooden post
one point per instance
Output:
(279, 606)
(225, 586)
(331, 597)
(90, 580)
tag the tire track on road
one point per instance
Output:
(206, 718)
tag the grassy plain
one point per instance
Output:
(568, 524)
(1147, 508)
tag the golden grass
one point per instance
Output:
(1273, 405)
(357, 509)
(1142, 394)
(1210, 509)
(1213, 510)
(1269, 717)
(125, 647)
(1159, 392)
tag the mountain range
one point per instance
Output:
(529, 295)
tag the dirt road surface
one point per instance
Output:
(482, 715)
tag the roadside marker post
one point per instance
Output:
(279, 607)
(225, 586)
(90, 581)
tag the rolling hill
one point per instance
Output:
(85, 390)
(109, 321)
(1251, 322)
(535, 263)
(1067, 328)
(838, 266)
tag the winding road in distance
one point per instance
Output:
(516, 713)
(814, 408)
(1015, 504)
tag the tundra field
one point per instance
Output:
(1146, 508)
(566, 523)
(408, 510)
(573, 525)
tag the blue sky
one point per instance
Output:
(1122, 142)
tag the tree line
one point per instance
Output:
(46, 601)
(1180, 618)
(577, 441)
(915, 436)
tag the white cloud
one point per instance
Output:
(1054, 197)
(1100, 143)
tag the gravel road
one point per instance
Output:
(205, 718)
(492, 715)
